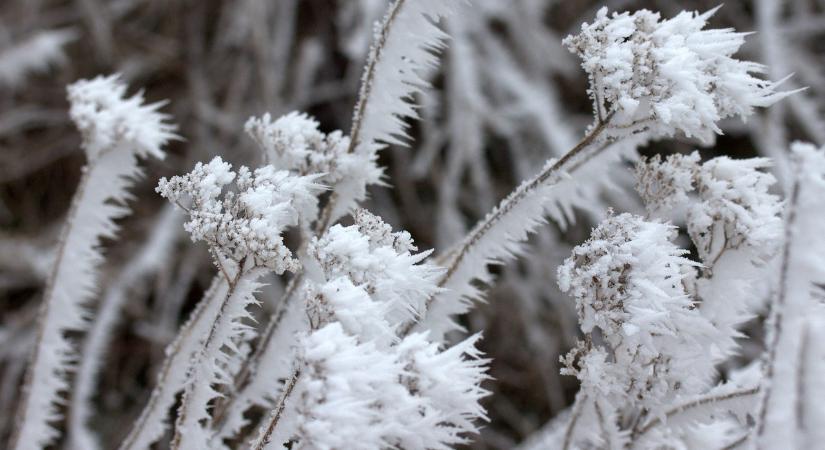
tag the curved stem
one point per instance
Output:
(567, 162)
(776, 314)
(177, 346)
(361, 104)
(570, 161)
(369, 75)
(233, 284)
(43, 313)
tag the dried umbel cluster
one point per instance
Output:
(656, 323)
(294, 142)
(249, 221)
(664, 184)
(651, 342)
(668, 75)
(380, 262)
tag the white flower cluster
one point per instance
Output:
(668, 75)
(293, 142)
(734, 208)
(362, 382)
(107, 118)
(248, 222)
(627, 282)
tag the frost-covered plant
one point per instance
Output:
(648, 79)
(375, 290)
(355, 352)
(244, 231)
(359, 379)
(656, 323)
(117, 130)
(246, 223)
(668, 75)
(647, 364)
(627, 280)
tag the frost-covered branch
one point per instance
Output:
(404, 47)
(151, 258)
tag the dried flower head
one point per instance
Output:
(627, 282)
(249, 221)
(668, 75)
(293, 142)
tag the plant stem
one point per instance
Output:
(43, 314)
(369, 75)
(266, 433)
(233, 284)
(174, 351)
(694, 404)
(250, 365)
(567, 162)
(578, 408)
(776, 314)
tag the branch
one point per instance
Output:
(692, 405)
(266, 433)
(490, 241)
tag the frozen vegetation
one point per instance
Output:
(290, 285)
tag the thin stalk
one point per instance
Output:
(250, 365)
(578, 408)
(266, 433)
(551, 175)
(566, 162)
(694, 404)
(361, 104)
(233, 284)
(776, 315)
(197, 315)
(369, 76)
(43, 314)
